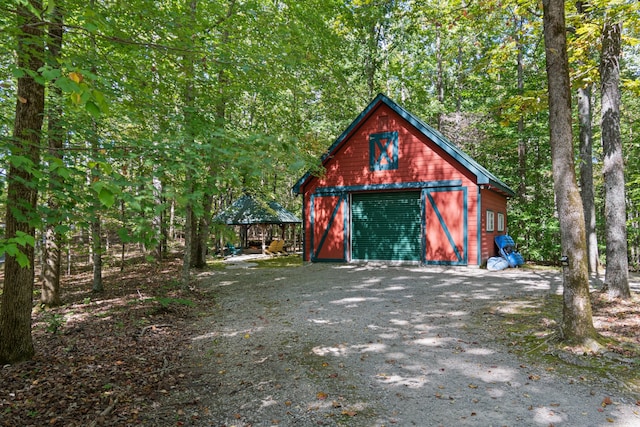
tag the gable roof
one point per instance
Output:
(483, 176)
(248, 210)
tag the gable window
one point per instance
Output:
(383, 151)
(500, 222)
(490, 220)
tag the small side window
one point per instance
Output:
(490, 221)
(500, 222)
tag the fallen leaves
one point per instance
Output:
(97, 368)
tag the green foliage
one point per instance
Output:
(54, 322)
(273, 84)
(11, 247)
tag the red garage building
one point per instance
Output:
(395, 189)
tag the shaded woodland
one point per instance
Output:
(129, 125)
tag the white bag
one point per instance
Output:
(497, 263)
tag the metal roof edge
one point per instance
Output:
(296, 187)
(482, 174)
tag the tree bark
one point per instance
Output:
(96, 251)
(190, 226)
(159, 218)
(220, 122)
(439, 74)
(577, 323)
(16, 343)
(52, 249)
(522, 141)
(371, 60)
(617, 270)
(96, 221)
(586, 176)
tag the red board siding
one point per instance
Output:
(445, 227)
(497, 204)
(419, 160)
(328, 213)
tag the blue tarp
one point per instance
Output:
(507, 250)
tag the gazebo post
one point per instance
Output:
(245, 236)
(295, 238)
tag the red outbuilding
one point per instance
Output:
(395, 189)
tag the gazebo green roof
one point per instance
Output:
(248, 210)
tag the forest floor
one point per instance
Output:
(356, 345)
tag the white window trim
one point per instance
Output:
(500, 222)
(490, 226)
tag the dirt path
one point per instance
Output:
(328, 344)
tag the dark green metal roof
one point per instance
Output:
(248, 210)
(483, 176)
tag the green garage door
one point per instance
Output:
(386, 226)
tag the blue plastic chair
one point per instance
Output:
(232, 249)
(507, 250)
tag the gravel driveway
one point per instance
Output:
(379, 345)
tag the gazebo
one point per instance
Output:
(248, 211)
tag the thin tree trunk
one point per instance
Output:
(371, 60)
(203, 233)
(577, 323)
(159, 218)
(16, 343)
(617, 271)
(586, 175)
(202, 236)
(123, 219)
(52, 249)
(190, 226)
(195, 241)
(165, 231)
(96, 221)
(172, 219)
(522, 141)
(96, 251)
(439, 74)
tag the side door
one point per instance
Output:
(445, 226)
(328, 222)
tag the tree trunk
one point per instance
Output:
(586, 176)
(190, 226)
(96, 251)
(195, 239)
(371, 60)
(96, 226)
(52, 249)
(188, 233)
(577, 323)
(439, 74)
(203, 234)
(522, 141)
(617, 271)
(16, 343)
(159, 219)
